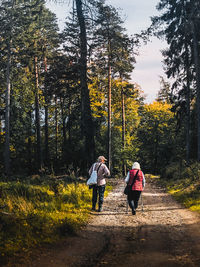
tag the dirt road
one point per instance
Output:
(163, 234)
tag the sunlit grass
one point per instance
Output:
(42, 210)
(151, 176)
(185, 191)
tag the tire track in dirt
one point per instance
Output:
(164, 234)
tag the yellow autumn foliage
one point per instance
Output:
(97, 100)
(158, 115)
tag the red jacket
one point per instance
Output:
(138, 182)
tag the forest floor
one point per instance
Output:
(163, 234)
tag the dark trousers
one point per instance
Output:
(133, 198)
(98, 191)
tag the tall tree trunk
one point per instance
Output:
(7, 98)
(109, 117)
(197, 67)
(123, 128)
(187, 106)
(30, 168)
(188, 121)
(7, 116)
(46, 118)
(37, 117)
(155, 150)
(69, 120)
(46, 115)
(56, 128)
(0, 129)
(1, 132)
(63, 124)
(87, 123)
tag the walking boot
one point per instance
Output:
(132, 207)
(100, 209)
(133, 212)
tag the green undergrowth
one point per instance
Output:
(35, 211)
(185, 190)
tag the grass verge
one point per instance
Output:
(186, 191)
(40, 210)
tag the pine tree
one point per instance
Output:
(44, 31)
(109, 41)
(175, 24)
(86, 118)
(12, 24)
(164, 94)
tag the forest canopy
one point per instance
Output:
(67, 97)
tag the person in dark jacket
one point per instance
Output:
(138, 186)
(99, 189)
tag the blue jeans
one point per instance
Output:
(98, 191)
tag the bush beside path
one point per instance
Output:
(163, 234)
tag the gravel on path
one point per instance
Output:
(164, 233)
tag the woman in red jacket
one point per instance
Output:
(138, 186)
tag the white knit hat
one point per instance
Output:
(136, 165)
